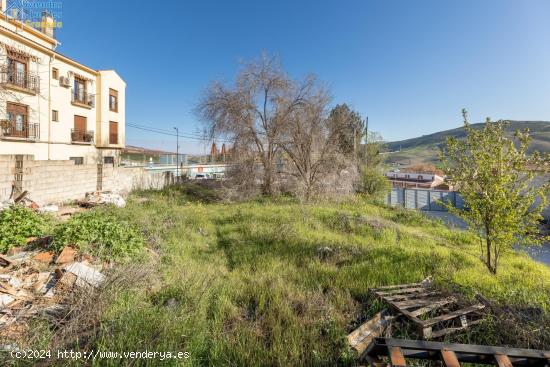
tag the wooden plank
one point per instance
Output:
(432, 307)
(361, 337)
(403, 297)
(20, 197)
(417, 302)
(452, 315)
(439, 333)
(395, 286)
(503, 360)
(449, 357)
(400, 291)
(364, 330)
(463, 348)
(396, 356)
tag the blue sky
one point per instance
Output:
(410, 65)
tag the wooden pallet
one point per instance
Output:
(433, 313)
(399, 350)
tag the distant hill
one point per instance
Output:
(424, 149)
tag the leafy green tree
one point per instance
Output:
(373, 183)
(497, 180)
(372, 180)
(348, 126)
(371, 154)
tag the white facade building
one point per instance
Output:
(53, 107)
(414, 179)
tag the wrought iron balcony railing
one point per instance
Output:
(24, 80)
(82, 136)
(81, 97)
(19, 129)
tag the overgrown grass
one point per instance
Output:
(269, 282)
(281, 284)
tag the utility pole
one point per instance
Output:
(367, 130)
(177, 153)
(366, 151)
(355, 143)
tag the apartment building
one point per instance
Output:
(52, 106)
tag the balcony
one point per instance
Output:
(20, 81)
(19, 130)
(113, 138)
(82, 98)
(82, 136)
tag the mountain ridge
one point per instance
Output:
(425, 148)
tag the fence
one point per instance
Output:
(422, 199)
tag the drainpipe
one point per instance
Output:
(50, 106)
(52, 57)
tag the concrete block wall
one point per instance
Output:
(7, 168)
(58, 181)
(126, 179)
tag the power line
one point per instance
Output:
(190, 135)
(194, 137)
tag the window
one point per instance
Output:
(109, 160)
(113, 132)
(77, 160)
(17, 71)
(113, 100)
(55, 115)
(55, 73)
(17, 119)
(420, 177)
(79, 90)
(80, 133)
(407, 176)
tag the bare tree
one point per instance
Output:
(309, 139)
(251, 112)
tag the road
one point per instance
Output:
(538, 253)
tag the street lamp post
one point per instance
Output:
(177, 153)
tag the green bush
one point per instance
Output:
(17, 224)
(101, 233)
(373, 183)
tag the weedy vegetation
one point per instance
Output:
(18, 223)
(281, 283)
(101, 233)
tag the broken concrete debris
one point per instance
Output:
(91, 199)
(97, 198)
(48, 209)
(86, 273)
(38, 282)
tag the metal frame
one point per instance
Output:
(398, 350)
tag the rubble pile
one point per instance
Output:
(92, 199)
(21, 199)
(96, 198)
(38, 282)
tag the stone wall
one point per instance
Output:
(60, 181)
